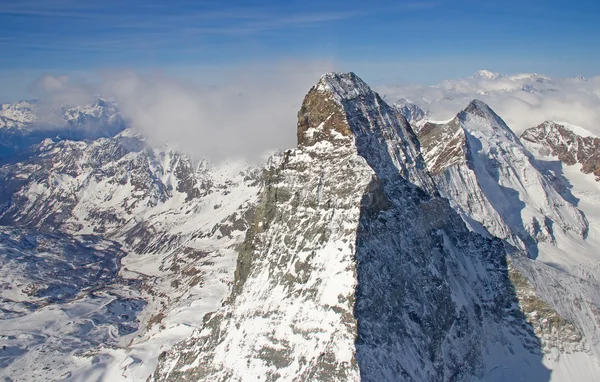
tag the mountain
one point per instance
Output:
(568, 154)
(482, 167)
(354, 268)
(22, 111)
(486, 75)
(502, 188)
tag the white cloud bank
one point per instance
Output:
(523, 100)
(253, 109)
(247, 112)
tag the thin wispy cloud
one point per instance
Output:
(416, 5)
(274, 22)
(116, 25)
(51, 9)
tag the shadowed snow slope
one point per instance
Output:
(500, 188)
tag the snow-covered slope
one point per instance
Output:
(178, 222)
(22, 111)
(570, 155)
(61, 297)
(499, 187)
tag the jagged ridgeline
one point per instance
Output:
(569, 147)
(354, 268)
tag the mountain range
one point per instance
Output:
(387, 246)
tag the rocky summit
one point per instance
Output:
(375, 250)
(570, 148)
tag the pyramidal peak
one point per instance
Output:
(342, 110)
(479, 118)
(480, 109)
(477, 151)
(342, 105)
(478, 106)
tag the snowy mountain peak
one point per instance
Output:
(580, 78)
(21, 111)
(477, 106)
(481, 109)
(478, 152)
(27, 123)
(343, 85)
(480, 117)
(486, 75)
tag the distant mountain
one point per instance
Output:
(523, 100)
(476, 157)
(175, 223)
(486, 75)
(27, 123)
(411, 111)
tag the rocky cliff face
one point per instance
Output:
(570, 147)
(355, 269)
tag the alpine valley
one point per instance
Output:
(387, 246)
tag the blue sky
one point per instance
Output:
(402, 41)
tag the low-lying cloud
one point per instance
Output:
(252, 110)
(245, 113)
(61, 90)
(523, 101)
